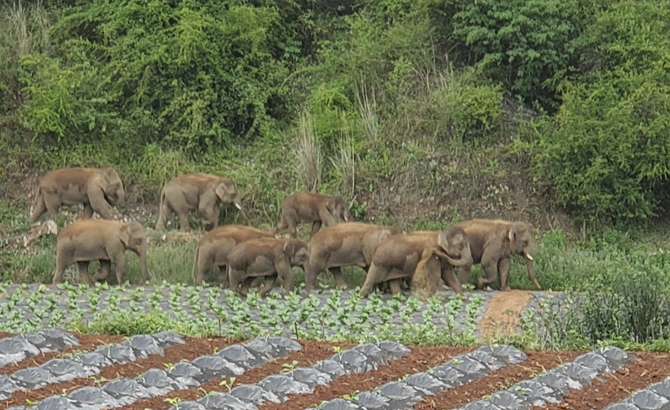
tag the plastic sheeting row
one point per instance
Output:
(16, 348)
(88, 363)
(230, 361)
(275, 388)
(456, 372)
(552, 386)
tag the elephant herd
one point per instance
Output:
(246, 255)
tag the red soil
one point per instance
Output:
(86, 343)
(189, 351)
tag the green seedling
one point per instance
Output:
(287, 367)
(228, 383)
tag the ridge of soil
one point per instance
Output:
(87, 343)
(537, 362)
(502, 313)
(311, 353)
(614, 387)
(420, 359)
(194, 347)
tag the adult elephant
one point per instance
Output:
(493, 242)
(105, 241)
(266, 257)
(319, 209)
(198, 192)
(344, 244)
(98, 189)
(212, 250)
(397, 258)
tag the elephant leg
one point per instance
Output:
(246, 285)
(223, 276)
(83, 271)
(285, 273)
(370, 281)
(119, 262)
(52, 202)
(449, 277)
(463, 274)
(257, 281)
(106, 267)
(40, 208)
(268, 284)
(312, 270)
(235, 277)
(490, 266)
(316, 225)
(87, 213)
(180, 207)
(292, 228)
(395, 286)
(503, 270)
(61, 265)
(339, 278)
(210, 215)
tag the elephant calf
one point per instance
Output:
(201, 192)
(98, 189)
(266, 257)
(493, 241)
(311, 207)
(398, 257)
(98, 239)
(345, 244)
(213, 248)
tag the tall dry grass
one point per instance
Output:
(308, 155)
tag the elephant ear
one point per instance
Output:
(125, 233)
(292, 246)
(225, 190)
(516, 231)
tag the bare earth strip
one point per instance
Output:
(502, 313)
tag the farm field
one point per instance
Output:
(166, 370)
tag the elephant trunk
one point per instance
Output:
(238, 205)
(531, 268)
(464, 260)
(142, 254)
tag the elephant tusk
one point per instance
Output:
(530, 258)
(238, 206)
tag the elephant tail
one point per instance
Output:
(160, 221)
(195, 262)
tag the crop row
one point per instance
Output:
(86, 364)
(16, 348)
(211, 310)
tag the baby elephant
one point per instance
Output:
(212, 250)
(267, 257)
(99, 239)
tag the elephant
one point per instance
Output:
(398, 256)
(213, 249)
(344, 244)
(98, 189)
(492, 242)
(311, 207)
(201, 192)
(266, 257)
(99, 239)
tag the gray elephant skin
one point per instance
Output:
(98, 239)
(266, 257)
(397, 258)
(344, 244)
(493, 242)
(212, 250)
(203, 193)
(98, 189)
(319, 209)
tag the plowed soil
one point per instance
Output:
(86, 343)
(189, 351)
(614, 387)
(610, 388)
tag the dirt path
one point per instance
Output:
(503, 312)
